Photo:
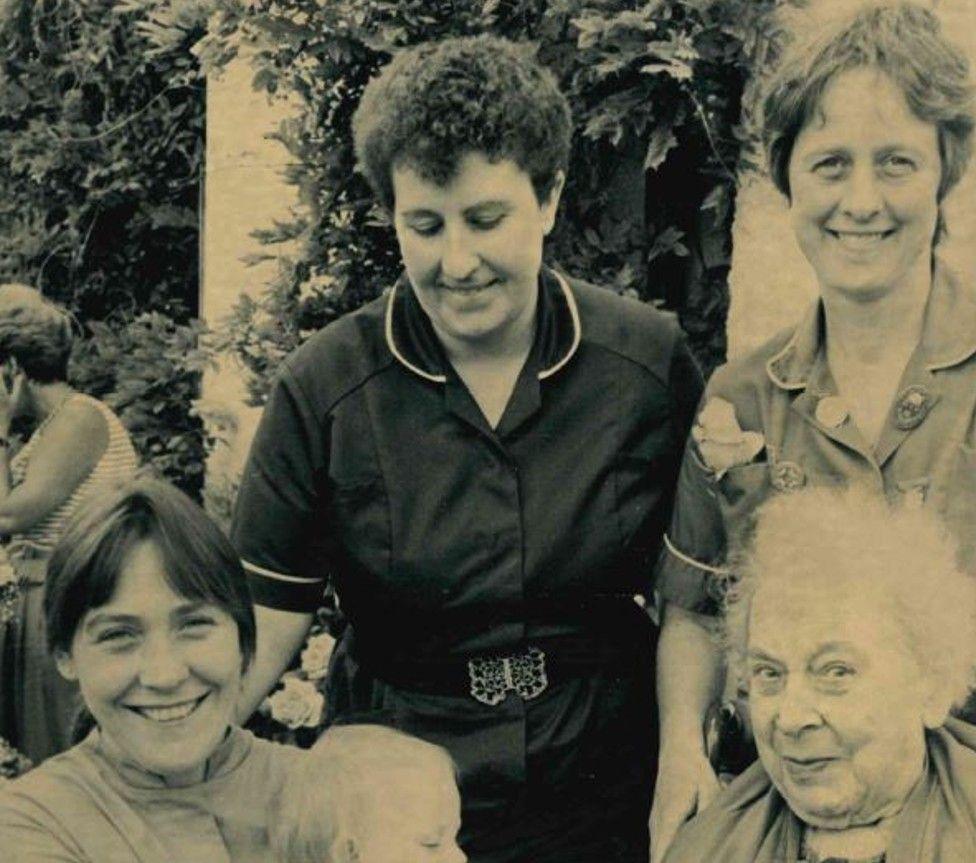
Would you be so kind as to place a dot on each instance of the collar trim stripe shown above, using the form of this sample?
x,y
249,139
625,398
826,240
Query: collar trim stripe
x,y
440,379
690,561
391,344
577,328
774,375
278,576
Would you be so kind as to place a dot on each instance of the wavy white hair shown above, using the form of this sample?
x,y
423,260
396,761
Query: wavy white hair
x,y
855,536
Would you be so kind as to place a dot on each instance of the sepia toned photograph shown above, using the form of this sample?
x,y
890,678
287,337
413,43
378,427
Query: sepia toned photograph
x,y
507,431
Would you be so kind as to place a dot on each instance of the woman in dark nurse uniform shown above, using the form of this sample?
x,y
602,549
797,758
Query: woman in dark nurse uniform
x,y
867,130
482,461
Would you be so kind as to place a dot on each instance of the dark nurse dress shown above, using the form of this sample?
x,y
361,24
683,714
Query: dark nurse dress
x,y
498,563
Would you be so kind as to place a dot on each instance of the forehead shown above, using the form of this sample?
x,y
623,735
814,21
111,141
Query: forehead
x,y
141,583
865,106
795,620
476,179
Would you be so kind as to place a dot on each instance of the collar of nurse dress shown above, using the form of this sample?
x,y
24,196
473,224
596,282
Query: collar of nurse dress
x,y
412,341
948,334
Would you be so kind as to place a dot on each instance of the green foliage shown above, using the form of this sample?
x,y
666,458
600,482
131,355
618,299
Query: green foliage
x,y
101,126
103,147
657,90
147,370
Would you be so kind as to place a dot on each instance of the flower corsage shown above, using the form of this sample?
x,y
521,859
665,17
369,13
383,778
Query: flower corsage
x,y
722,444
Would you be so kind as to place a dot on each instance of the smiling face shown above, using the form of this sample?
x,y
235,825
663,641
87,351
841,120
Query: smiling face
x,y
473,248
160,673
864,177
414,817
836,701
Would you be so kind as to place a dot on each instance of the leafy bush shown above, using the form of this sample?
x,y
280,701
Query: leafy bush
x,y
148,369
103,148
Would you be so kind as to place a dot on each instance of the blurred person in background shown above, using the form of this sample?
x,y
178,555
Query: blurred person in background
x,y
78,450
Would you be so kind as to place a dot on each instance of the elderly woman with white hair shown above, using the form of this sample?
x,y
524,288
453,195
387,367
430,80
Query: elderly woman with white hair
x,y
853,648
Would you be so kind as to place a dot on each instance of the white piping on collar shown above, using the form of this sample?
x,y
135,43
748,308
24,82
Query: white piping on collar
x,y
279,576
690,561
391,344
440,379
776,379
577,328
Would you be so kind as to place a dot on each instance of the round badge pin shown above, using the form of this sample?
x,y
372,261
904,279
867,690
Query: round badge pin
x,y
787,476
831,411
911,407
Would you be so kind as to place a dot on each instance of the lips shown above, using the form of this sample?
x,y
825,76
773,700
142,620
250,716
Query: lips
x,y
168,713
468,289
860,240
803,767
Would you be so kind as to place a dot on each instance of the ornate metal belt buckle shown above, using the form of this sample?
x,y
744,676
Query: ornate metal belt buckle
x,y
492,678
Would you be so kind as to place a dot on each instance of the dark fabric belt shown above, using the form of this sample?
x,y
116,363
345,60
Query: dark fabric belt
x,y
528,668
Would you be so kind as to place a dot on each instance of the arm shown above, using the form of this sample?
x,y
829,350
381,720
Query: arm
x,y
277,512
690,675
689,665
64,456
280,635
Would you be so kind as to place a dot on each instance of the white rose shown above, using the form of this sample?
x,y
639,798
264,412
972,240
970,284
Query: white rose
x,y
721,442
315,656
297,704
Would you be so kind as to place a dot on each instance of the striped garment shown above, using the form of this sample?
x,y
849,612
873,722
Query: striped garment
x,y
117,464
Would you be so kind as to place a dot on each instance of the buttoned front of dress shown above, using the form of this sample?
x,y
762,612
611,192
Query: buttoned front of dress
x,y
448,540
924,456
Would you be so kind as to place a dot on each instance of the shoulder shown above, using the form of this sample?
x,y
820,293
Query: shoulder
x,y
341,356
952,751
56,786
745,382
634,330
82,417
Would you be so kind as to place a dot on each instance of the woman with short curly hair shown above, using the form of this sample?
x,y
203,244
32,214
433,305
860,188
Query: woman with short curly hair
x,y
481,461
78,449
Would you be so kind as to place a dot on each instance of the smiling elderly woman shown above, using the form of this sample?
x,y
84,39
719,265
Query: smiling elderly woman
x,y
867,128
482,460
146,608
853,648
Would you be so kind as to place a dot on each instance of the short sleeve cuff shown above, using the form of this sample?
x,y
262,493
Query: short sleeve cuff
x,y
283,592
689,583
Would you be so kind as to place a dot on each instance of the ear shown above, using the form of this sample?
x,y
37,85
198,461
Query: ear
x,y
66,665
550,206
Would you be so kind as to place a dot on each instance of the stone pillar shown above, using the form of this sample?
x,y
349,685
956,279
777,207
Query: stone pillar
x,y
244,191
771,281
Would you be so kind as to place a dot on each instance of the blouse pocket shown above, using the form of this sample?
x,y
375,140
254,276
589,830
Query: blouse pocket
x,y
361,514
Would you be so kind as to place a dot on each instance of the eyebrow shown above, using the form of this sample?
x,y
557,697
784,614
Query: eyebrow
x,y
480,205
100,618
829,647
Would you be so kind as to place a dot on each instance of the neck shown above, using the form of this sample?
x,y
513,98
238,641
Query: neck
x,y
874,331
852,843
46,398
512,345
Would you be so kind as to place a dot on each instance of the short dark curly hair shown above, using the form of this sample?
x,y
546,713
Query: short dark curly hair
x,y
902,40
36,332
438,101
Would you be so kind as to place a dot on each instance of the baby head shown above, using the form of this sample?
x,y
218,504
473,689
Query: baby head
x,y
370,794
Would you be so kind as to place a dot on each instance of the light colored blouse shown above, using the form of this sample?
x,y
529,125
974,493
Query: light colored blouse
x,y
117,464
85,806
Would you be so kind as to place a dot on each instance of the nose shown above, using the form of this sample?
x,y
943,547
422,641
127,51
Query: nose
x,y
863,199
459,259
797,710
163,665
